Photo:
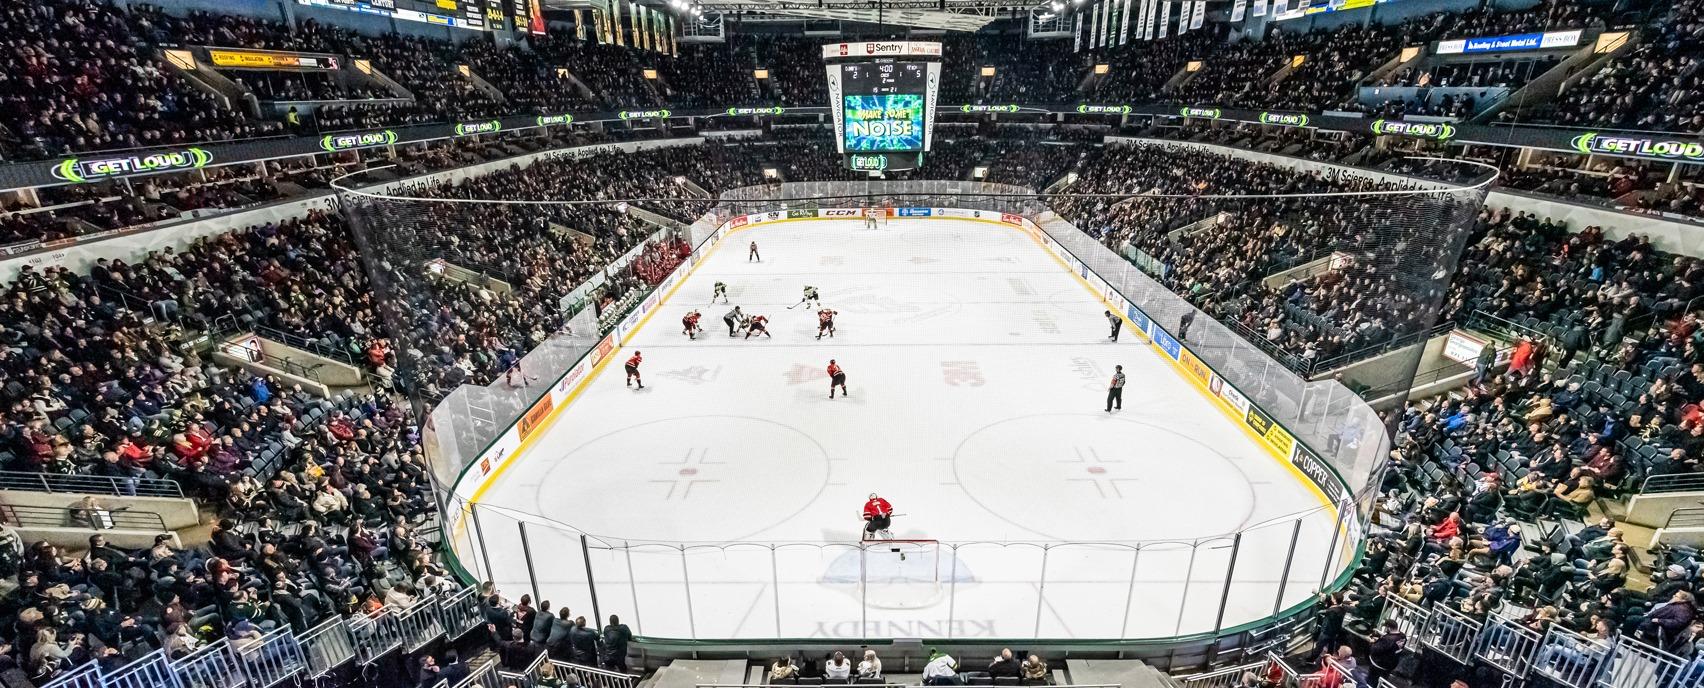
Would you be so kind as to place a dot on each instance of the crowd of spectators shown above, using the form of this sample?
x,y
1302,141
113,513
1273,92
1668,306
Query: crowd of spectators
x,y
81,77
1158,201
1654,86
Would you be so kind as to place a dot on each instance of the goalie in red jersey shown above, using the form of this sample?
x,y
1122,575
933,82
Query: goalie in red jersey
x,y
878,517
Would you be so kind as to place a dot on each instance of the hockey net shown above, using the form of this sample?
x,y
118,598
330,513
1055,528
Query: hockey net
x,y
875,218
902,573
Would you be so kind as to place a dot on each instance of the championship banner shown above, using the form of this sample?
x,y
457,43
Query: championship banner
x,y
1237,10
1077,36
1183,11
616,30
1259,8
1200,14
1124,27
1144,22
1152,20
1094,23
1165,17
1108,34
1105,12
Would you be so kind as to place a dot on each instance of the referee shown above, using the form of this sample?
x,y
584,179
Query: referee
x,y
1115,393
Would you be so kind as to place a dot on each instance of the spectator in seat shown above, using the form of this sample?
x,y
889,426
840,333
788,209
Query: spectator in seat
x,y
942,670
1005,665
837,669
1035,671
1666,624
782,670
871,666
227,544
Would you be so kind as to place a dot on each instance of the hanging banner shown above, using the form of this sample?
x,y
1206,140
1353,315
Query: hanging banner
x,y
1106,22
1124,26
1152,21
616,28
1165,17
1200,15
1183,12
1259,8
1237,10
1094,23
1077,35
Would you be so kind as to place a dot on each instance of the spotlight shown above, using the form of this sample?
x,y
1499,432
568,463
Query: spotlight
x,y
1058,6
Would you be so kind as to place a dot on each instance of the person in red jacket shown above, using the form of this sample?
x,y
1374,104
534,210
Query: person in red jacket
x,y
878,516
633,370
836,378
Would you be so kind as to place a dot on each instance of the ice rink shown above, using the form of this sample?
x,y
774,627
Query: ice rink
x,y
724,497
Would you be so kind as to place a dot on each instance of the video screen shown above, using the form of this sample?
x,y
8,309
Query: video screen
x,y
888,122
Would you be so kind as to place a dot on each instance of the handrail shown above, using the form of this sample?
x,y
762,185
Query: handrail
x,y
1672,482
79,483
1397,342
1690,517
1227,676
305,344
69,517
283,654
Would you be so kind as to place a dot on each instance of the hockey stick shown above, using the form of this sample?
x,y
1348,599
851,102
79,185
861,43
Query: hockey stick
x,y
796,305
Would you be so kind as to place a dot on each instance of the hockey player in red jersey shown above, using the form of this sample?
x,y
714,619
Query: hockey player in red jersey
x,y
878,516
759,324
633,370
825,323
689,325
836,378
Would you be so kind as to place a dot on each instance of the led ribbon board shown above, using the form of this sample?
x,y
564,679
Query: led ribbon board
x,y
79,170
1639,146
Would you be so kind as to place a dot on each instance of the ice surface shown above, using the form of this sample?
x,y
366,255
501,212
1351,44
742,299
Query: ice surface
x,y
724,497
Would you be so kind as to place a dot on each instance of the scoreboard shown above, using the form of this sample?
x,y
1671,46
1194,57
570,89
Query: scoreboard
x,y
883,102
521,16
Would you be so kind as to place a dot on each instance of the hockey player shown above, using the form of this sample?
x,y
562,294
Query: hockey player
x,y
810,297
633,370
721,290
878,517
836,378
733,319
689,325
825,323
758,324
752,255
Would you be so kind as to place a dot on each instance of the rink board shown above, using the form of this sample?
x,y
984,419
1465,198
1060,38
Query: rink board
x,y
1016,580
